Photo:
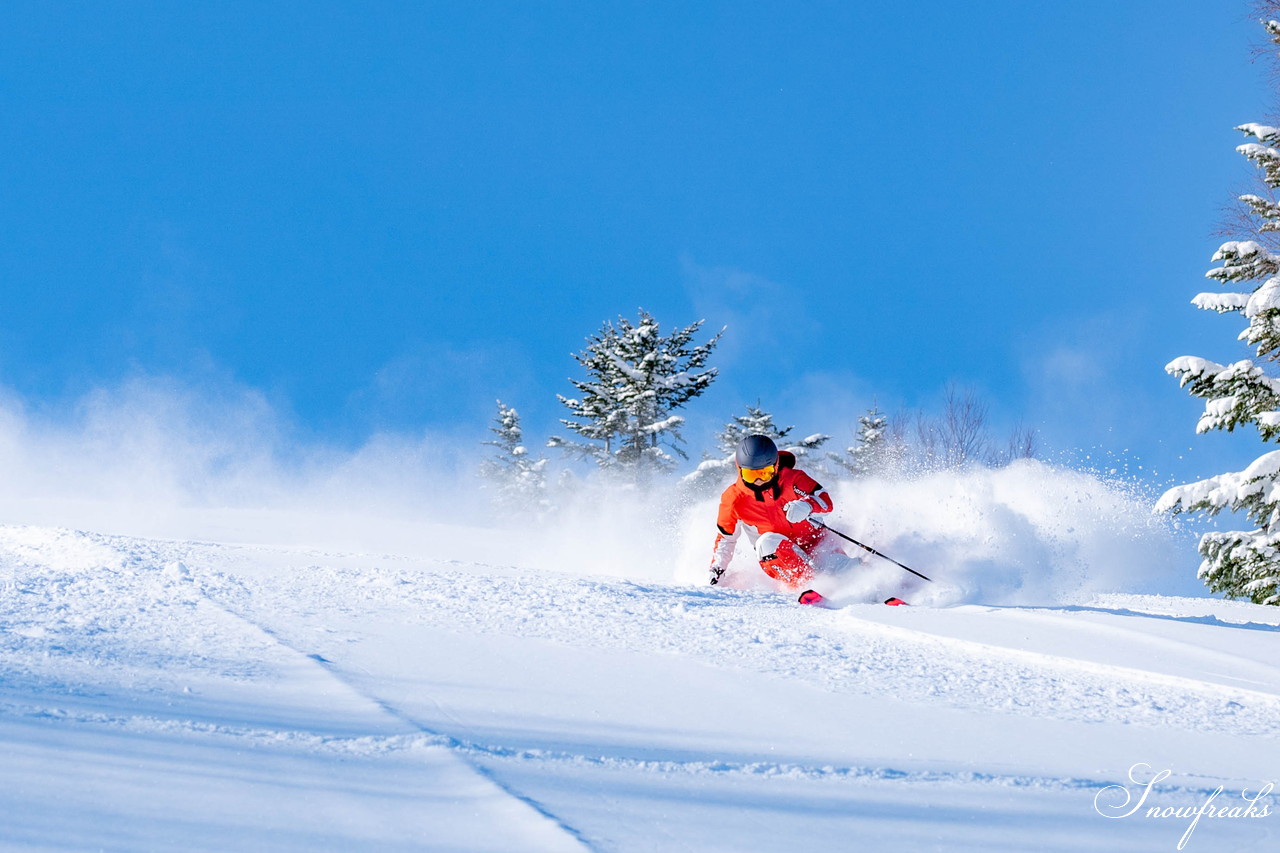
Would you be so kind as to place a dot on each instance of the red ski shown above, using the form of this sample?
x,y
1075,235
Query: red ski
x,y
816,599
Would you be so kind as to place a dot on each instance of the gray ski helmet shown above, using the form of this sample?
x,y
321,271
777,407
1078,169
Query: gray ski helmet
x,y
756,451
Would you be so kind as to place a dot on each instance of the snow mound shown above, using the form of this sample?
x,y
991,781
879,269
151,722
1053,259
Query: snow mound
x,y
1027,533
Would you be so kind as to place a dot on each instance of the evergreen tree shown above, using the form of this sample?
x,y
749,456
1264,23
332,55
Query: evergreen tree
x,y
804,447
715,470
1243,564
636,378
519,481
755,422
870,452
759,422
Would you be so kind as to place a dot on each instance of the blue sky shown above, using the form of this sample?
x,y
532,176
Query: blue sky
x,y
383,216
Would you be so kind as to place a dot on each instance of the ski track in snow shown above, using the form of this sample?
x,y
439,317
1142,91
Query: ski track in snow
x,y
372,745
91,620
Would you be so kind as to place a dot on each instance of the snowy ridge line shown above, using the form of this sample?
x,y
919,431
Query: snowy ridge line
x,y
365,745
1198,619
827,773
160,550
1178,682
262,736
163,548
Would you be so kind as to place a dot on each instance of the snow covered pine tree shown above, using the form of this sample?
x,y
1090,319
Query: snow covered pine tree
x,y
1242,564
519,481
636,378
759,422
871,452
714,471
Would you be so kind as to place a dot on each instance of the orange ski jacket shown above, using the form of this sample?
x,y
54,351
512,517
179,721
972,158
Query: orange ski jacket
x,y
756,511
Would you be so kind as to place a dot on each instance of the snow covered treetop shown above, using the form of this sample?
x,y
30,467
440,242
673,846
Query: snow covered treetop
x,y
1267,211
1234,394
635,377
1243,260
1237,490
1223,303
1266,157
1261,132
1265,298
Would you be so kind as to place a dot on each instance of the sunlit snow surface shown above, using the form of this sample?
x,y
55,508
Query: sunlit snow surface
x,y
579,687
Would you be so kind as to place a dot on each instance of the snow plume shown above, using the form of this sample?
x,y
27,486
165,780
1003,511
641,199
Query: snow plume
x,y
153,457
1026,533
157,458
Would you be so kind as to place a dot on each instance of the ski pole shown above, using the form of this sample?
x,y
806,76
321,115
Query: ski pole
x,y
819,523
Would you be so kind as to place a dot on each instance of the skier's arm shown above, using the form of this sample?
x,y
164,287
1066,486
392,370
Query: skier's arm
x,y
726,537
812,499
722,553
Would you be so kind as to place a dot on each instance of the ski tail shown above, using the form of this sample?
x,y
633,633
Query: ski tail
x,y
810,596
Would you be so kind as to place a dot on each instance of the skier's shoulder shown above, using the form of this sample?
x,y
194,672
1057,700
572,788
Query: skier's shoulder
x,y
797,477
789,470
731,494
728,514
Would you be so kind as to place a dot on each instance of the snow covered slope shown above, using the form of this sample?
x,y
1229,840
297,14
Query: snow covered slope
x,y
183,695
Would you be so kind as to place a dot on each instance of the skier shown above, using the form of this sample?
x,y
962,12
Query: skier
x,y
770,502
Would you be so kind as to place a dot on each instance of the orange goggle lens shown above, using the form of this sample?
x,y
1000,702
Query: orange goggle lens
x,y
752,474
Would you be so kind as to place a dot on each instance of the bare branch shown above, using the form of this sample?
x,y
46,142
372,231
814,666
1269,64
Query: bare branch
x,y
964,421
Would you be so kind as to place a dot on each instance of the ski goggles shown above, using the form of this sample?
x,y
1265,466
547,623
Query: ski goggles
x,y
766,473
